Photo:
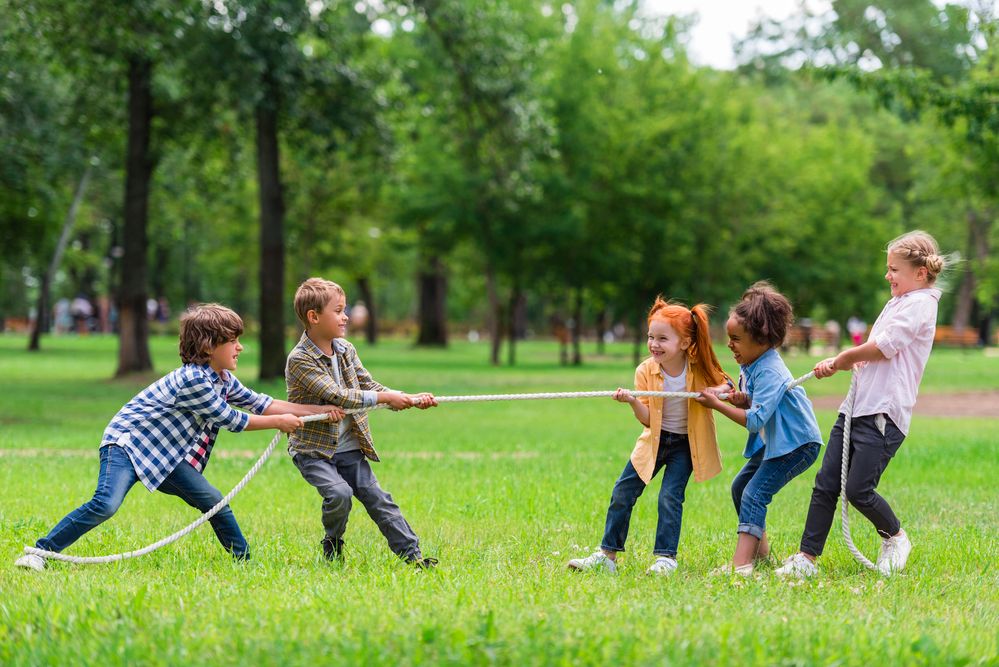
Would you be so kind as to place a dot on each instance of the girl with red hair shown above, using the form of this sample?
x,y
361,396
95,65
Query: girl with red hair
x,y
678,434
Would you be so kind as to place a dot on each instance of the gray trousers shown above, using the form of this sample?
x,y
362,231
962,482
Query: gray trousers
x,y
349,475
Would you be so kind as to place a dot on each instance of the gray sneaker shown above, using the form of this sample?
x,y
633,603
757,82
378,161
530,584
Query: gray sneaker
x,y
798,566
31,561
598,560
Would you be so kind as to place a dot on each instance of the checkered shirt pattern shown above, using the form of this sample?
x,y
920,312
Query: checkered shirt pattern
x,y
179,412
311,379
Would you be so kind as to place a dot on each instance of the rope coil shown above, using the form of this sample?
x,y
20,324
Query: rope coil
x,y
90,560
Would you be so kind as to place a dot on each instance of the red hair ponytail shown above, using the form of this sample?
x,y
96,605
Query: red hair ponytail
x,y
700,348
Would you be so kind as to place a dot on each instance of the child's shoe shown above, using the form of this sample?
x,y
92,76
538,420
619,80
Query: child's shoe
x,y
663,566
422,562
894,554
332,549
797,565
596,561
31,561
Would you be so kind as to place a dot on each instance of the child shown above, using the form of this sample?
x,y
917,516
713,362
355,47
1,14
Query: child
x,y
679,435
333,457
164,436
893,360
784,437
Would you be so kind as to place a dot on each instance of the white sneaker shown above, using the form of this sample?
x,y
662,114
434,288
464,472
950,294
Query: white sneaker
x,y
664,566
595,561
31,561
797,565
894,554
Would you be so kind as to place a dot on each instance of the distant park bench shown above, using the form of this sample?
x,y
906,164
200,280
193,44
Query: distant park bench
x,y
819,337
948,335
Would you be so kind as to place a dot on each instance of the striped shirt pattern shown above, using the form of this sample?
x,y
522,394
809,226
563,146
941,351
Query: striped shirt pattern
x,y
312,379
177,414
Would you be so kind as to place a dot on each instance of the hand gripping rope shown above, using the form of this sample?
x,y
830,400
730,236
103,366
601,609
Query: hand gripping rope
x,y
88,560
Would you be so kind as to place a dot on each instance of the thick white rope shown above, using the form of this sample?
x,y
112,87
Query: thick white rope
x,y
844,470
88,560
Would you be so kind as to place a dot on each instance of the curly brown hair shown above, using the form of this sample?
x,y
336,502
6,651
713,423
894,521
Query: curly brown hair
x,y
203,328
764,313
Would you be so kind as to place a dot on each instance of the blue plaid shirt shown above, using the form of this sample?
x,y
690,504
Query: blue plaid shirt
x,y
159,427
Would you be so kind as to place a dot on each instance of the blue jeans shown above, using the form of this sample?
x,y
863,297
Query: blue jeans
x,y
114,480
674,456
760,480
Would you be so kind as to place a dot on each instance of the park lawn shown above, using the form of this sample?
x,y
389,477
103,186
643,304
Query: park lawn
x,y
503,494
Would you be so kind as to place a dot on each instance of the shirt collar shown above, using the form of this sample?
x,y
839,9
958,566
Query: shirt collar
x,y
216,378
932,292
339,347
759,360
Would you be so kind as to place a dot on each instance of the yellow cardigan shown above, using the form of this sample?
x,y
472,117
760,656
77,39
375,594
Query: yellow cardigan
x,y
700,424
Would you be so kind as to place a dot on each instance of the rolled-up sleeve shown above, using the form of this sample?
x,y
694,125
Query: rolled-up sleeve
x,y
903,327
244,397
197,395
768,389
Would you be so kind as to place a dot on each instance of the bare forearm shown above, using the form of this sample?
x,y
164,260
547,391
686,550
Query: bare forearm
x,y
641,411
262,422
868,351
738,415
279,407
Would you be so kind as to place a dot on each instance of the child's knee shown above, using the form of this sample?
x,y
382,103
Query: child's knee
x,y
337,494
104,508
859,494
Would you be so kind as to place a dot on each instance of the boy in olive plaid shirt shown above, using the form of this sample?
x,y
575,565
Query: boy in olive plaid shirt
x,y
333,456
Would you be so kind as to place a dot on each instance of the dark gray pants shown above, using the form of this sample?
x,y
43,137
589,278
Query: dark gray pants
x,y
870,452
349,475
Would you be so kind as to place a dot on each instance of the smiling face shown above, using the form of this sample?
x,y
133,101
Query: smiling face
x,y
744,347
903,277
225,356
332,322
665,344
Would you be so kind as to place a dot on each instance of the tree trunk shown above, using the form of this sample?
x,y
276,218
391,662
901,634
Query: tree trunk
x,y
601,330
371,324
133,325
981,224
433,304
42,309
516,310
966,292
577,328
495,323
272,352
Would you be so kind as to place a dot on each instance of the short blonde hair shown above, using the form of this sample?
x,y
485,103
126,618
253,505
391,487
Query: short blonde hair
x,y
203,328
314,294
919,249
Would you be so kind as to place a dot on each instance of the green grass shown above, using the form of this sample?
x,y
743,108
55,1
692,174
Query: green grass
x,y
503,494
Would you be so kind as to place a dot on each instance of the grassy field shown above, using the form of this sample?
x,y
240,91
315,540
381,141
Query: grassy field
x,y
503,494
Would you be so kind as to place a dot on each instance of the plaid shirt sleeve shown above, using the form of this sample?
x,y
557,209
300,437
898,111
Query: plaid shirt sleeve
x,y
244,397
306,375
197,396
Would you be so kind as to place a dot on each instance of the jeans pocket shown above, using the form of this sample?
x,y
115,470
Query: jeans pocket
x,y
893,438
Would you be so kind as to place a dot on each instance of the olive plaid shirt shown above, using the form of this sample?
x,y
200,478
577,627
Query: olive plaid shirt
x,y
312,380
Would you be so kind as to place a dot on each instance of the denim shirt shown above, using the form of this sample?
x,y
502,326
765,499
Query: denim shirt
x,y
778,421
